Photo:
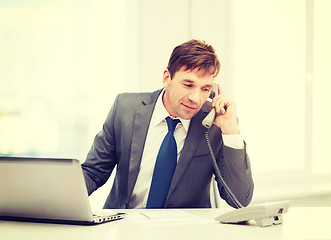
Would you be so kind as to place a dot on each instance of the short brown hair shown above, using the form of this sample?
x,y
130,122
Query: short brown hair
x,y
194,54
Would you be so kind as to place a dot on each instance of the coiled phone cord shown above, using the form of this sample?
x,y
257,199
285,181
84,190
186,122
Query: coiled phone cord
x,y
218,175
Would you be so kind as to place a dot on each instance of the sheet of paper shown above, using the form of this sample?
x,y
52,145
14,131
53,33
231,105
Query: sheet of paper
x,y
167,217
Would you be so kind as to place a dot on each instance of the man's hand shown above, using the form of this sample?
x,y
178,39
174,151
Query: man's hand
x,y
226,114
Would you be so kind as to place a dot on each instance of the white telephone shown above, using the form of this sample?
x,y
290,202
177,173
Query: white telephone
x,y
266,214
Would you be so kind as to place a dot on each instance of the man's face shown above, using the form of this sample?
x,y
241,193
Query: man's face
x,y
186,92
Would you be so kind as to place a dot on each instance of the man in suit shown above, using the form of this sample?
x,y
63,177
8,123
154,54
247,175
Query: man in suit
x,y
136,125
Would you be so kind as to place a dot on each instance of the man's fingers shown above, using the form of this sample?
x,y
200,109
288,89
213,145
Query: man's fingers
x,y
220,104
220,91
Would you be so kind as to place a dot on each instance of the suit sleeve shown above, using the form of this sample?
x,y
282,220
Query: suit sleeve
x,y
101,159
236,172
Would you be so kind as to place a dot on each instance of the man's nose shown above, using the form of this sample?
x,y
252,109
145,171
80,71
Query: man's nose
x,y
194,95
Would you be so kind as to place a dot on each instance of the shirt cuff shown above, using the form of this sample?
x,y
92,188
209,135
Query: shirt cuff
x,y
233,141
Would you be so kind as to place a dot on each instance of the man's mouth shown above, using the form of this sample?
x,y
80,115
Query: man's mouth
x,y
191,108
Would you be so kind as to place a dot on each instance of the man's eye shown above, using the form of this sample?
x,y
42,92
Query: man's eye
x,y
188,85
206,89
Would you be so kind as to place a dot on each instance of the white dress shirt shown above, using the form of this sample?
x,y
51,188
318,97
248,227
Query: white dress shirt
x,y
157,130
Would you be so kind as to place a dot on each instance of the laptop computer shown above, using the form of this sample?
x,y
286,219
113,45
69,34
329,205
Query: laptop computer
x,y
46,190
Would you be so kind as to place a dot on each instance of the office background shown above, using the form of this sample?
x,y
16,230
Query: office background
x,y
63,62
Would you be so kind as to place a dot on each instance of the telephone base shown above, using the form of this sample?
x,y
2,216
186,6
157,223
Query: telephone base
x,y
266,214
269,221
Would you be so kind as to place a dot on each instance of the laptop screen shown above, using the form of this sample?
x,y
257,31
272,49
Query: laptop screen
x,y
43,188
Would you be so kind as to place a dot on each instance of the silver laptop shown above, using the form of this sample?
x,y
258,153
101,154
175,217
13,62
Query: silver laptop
x,y
46,190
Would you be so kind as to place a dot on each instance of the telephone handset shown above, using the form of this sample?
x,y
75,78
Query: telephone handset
x,y
209,119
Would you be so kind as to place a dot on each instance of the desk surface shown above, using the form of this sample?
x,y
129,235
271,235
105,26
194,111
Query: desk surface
x,y
299,223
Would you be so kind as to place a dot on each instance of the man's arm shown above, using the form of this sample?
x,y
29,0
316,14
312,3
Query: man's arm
x,y
236,172
234,162
101,158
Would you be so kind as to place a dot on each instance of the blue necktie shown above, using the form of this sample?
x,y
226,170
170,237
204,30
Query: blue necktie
x,y
164,169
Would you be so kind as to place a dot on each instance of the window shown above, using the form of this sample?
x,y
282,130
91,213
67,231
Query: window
x,y
269,72
281,84
61,66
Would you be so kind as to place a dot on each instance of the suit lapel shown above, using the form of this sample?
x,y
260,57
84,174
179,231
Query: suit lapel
x,y
141,123
196,130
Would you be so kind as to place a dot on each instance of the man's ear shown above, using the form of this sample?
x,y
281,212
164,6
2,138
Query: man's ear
x,y
166,78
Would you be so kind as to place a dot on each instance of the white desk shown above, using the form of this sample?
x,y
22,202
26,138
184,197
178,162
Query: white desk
x,y
299,223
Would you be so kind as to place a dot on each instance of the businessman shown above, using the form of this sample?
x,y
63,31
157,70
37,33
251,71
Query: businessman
x,y
156,140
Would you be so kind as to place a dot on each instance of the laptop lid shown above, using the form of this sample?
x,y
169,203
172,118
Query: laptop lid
x,y
43,188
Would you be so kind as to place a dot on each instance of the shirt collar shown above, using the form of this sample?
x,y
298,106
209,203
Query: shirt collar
x,y
160,113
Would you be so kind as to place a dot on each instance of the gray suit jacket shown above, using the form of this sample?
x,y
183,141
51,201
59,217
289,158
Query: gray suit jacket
x,y
121,143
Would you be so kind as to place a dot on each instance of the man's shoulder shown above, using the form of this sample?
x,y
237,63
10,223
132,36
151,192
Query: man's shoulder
x,y
135,94
138,97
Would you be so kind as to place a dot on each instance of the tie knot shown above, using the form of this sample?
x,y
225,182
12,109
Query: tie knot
x,y
172,123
